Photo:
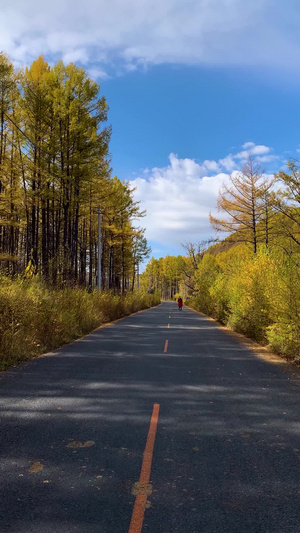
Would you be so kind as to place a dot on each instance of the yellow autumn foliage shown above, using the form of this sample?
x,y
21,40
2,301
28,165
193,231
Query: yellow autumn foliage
x,y
36,319
255,294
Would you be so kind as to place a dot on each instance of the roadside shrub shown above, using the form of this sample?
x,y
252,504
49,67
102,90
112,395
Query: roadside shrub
x,y
205,277
220,295
251,289
284,339
35,319
284,334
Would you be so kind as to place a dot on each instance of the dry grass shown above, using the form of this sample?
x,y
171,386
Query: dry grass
x,y
35,319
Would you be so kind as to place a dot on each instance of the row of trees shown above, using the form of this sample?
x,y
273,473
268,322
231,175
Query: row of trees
x,y
55,174
164,275
251,279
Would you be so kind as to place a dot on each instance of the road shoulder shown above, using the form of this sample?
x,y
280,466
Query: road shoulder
x,y
262,352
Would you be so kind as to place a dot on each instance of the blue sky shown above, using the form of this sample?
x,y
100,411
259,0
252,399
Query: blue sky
x,y
198,113
193,87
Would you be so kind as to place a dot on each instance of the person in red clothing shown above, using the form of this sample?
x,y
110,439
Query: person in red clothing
x,y
180,303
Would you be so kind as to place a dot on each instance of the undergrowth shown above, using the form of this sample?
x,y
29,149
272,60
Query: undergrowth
x,y
35,319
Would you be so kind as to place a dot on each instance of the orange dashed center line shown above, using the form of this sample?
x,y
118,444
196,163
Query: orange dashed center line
x,y
137,518
166,346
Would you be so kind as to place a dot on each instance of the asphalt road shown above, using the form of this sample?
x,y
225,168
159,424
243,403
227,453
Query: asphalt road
x,y
74,426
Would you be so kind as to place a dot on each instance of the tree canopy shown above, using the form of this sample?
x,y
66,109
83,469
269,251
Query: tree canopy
x,y
54,175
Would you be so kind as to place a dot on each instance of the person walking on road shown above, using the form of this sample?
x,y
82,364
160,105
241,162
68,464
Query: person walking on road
x,y
180,303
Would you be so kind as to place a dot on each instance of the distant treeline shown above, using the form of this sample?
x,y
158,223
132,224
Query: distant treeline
x,y
250,280
55,174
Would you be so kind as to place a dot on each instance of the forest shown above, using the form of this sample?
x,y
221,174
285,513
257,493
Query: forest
x,y
55,185
55,182
55,175
248,275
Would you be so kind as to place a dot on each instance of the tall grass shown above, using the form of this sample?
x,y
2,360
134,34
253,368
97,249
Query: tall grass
x,y
35,319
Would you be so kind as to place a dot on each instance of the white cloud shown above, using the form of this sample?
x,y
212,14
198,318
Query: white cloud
x,y
79,54
98,73
211,165
248,145
252,150
136,33
228,163
267,158
179,197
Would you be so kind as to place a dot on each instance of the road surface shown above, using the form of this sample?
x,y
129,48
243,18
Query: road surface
x,y
164,394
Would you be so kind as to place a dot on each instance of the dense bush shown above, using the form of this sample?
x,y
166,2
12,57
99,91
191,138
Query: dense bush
x,y
255,294
35,319
205,277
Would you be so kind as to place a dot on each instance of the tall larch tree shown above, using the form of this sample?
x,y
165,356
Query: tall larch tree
x,y
243,204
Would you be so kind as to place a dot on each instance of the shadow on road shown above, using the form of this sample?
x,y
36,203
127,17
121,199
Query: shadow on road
x,y
227,449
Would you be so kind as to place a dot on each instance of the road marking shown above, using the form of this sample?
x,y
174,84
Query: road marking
x,y
166,346
143,487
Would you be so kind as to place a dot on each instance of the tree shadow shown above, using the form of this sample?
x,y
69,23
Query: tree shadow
x,y
74,426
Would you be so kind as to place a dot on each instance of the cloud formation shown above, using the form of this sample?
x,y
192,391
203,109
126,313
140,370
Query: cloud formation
x,y
124,36
179,197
